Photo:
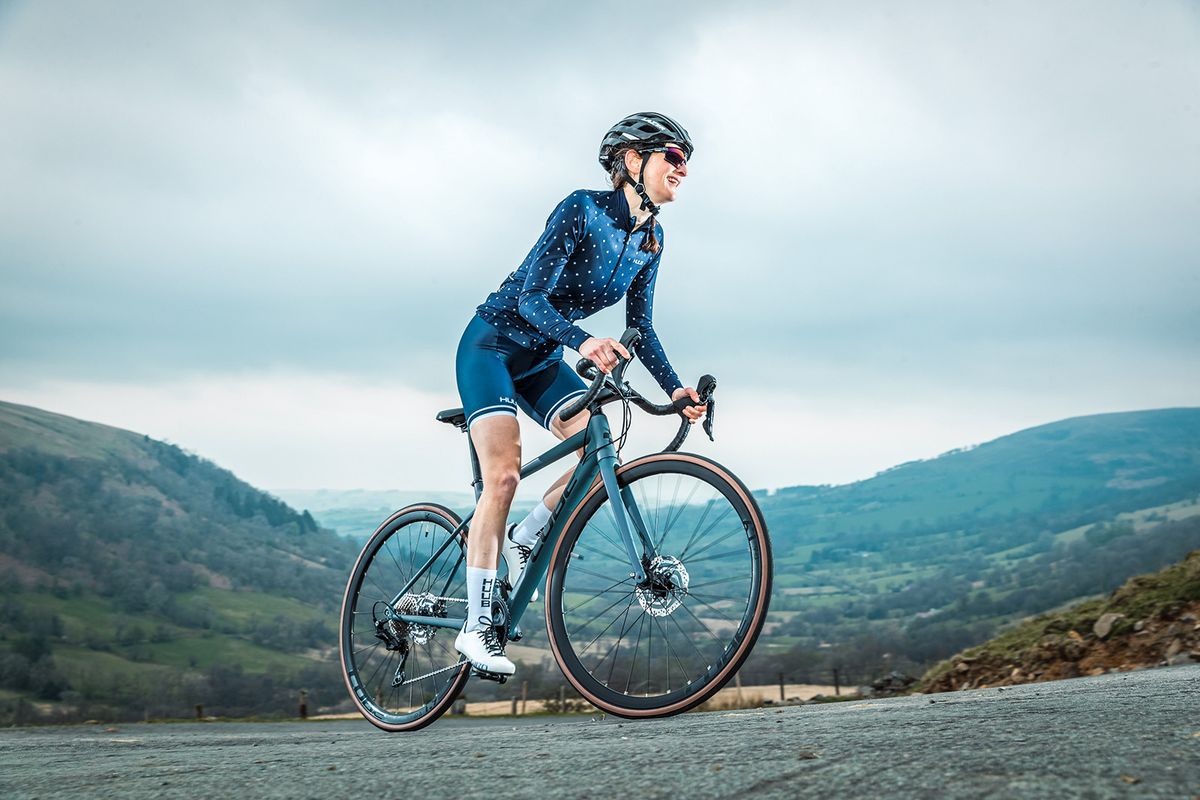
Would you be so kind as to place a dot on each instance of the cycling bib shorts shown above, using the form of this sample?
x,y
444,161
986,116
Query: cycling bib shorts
x,y
497,376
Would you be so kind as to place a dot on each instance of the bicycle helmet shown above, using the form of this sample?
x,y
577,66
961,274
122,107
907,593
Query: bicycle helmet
x,y
641,131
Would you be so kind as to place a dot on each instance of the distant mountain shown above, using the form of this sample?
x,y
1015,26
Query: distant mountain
x,y
356,513
136,575
933,556
1063,473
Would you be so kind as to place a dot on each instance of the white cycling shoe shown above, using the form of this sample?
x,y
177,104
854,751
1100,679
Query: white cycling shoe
x,y
482,648
516,556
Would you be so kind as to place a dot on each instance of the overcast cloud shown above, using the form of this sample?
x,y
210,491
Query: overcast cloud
x,y
258,230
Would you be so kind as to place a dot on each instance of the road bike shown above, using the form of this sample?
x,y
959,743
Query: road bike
x,y
657,577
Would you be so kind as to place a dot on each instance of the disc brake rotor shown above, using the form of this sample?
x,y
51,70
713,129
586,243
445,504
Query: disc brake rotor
x,y
665,587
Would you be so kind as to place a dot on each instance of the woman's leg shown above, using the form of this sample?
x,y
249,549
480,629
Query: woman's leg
x,y
564,431
497,441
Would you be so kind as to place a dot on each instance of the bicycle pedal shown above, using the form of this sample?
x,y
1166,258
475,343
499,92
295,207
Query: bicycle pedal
x,y
515,634
488,676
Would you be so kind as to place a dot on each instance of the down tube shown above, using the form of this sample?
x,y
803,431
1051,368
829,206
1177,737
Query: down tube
x,y
539,559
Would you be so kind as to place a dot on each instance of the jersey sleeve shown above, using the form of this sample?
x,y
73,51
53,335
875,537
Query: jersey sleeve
x,y
564,231
639,313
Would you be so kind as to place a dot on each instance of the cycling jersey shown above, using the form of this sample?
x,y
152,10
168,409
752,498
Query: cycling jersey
x,y
587,259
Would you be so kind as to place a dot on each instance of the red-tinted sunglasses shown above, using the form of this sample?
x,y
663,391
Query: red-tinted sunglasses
x,y
672,155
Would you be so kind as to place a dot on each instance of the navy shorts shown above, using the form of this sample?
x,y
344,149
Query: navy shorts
x,y
496,376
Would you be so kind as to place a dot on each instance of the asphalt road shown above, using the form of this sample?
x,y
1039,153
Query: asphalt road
x,y
1123,735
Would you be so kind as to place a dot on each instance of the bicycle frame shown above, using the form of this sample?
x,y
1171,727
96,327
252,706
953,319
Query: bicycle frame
x,y
600,458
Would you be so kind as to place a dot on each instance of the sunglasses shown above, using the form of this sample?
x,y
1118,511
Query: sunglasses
x,y
672,155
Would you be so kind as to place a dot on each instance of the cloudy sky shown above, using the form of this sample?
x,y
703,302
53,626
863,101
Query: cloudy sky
x,y
257,230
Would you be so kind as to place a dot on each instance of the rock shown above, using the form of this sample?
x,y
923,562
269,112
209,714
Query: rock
x,y
1073,651
1104,625
1016,674
1097,671
1174,648
961,667
1075,636
1179,659
1140,625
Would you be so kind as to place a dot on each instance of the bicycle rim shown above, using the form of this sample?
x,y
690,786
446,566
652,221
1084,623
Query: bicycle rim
x,y
670,643
409,676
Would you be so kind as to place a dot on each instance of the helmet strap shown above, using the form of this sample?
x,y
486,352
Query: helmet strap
x,y
640,188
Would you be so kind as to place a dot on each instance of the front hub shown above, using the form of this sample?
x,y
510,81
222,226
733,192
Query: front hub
x,y
666,584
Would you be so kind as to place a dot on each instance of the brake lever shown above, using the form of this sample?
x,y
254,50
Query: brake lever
x,y
705,390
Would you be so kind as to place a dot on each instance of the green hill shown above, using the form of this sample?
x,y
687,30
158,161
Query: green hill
x,y
138,578
932,556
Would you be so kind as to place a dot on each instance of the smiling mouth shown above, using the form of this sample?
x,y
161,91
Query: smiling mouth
x,y
671,181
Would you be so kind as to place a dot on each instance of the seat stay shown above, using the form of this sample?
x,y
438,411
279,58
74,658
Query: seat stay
x,y
433,559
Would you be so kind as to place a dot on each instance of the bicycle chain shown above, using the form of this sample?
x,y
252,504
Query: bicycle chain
x,y
431,674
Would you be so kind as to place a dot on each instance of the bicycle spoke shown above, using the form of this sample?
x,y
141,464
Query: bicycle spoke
x,y
696,537
693,561
597,594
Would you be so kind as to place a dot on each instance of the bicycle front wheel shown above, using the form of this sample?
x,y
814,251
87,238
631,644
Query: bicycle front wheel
x,y
666,644
403,676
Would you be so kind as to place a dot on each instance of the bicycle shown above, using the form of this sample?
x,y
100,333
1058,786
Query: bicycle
x,y
648,615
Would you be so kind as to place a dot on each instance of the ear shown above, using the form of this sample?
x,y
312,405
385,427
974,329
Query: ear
x,y
633,162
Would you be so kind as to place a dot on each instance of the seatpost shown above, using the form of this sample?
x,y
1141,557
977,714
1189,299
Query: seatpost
x,y
477,478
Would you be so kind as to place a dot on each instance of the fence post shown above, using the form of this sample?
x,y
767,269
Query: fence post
x,y
781,697
524,695
837,689
514,706
199,711
562,699
303,704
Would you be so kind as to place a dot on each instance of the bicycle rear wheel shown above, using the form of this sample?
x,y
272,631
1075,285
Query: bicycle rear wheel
x,y
403,676
667,644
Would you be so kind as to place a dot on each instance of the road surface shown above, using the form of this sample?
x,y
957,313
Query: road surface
x,y
1121,735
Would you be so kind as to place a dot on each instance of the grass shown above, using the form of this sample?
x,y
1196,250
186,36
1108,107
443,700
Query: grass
x,y
1141,597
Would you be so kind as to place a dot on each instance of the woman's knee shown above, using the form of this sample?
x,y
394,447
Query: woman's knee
x,y
502,484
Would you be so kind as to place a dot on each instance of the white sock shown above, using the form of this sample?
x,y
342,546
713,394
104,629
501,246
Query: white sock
x,y
527,531
479,597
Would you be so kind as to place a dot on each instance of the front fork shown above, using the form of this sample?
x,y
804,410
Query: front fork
x,y
624,509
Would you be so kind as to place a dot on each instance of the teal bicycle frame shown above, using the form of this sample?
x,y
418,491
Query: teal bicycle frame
x,y
600,456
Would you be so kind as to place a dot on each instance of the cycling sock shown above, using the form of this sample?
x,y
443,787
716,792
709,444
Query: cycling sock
x,y
527,530
479,597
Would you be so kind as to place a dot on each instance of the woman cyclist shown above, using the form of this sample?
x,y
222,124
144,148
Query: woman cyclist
x,y
598,246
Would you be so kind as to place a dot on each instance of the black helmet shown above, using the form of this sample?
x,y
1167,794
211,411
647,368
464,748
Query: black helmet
x,y
641,129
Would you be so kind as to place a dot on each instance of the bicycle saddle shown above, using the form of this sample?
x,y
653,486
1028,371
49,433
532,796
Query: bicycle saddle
x,y
453,416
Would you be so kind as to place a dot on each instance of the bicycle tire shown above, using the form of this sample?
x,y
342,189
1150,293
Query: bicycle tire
x,y
370,667
705,655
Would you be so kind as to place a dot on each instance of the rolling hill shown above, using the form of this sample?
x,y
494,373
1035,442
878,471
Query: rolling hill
x,y
138,579
138,576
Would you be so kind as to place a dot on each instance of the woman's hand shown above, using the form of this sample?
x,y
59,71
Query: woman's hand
x,y
603,353
693,413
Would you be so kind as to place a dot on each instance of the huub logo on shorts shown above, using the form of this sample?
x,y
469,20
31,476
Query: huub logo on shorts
x,y
510,400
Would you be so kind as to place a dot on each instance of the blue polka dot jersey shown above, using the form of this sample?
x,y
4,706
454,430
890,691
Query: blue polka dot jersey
x,y
587,259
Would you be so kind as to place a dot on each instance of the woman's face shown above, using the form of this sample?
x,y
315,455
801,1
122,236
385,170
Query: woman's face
x,y
662,179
